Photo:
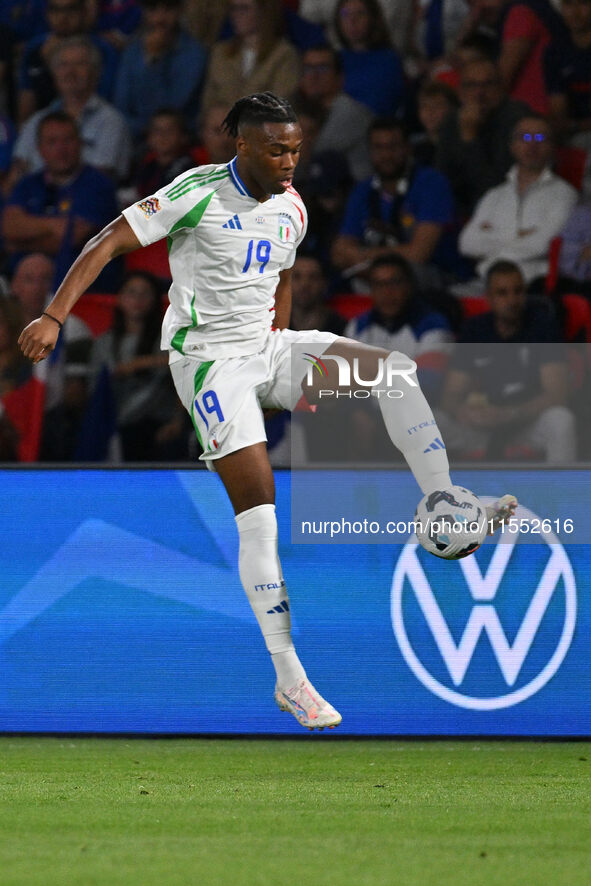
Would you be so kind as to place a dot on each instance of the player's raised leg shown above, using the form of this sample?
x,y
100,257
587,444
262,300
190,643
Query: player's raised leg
x,y
249,481
408,418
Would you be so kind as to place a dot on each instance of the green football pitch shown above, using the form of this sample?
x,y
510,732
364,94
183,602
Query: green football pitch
x,y
166,812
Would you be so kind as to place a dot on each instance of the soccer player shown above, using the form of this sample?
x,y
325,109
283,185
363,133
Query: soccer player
x,y
232,232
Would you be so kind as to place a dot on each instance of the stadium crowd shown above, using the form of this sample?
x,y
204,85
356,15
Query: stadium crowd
x,y
446,174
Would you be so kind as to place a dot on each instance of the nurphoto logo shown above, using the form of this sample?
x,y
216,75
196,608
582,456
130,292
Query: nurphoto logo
x,y
350,382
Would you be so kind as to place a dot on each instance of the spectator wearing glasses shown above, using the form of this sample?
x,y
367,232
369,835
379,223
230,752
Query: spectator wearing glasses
x,y
474,148
66,18
346,121
518,219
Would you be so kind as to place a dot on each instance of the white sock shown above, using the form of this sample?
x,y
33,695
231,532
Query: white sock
x,y
262,579
412,428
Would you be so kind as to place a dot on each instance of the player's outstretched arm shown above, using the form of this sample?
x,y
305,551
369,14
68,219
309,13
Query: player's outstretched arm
x,y
38,339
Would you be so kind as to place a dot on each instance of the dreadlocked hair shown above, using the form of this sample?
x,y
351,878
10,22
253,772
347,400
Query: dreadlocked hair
x,y
256,109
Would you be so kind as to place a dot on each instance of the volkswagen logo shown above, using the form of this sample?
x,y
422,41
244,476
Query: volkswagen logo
x,y
486,635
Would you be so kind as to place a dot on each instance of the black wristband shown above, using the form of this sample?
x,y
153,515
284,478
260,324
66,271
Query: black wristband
x,y
51,317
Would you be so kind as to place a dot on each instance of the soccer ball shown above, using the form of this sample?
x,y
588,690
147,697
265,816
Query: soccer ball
x,y
451,523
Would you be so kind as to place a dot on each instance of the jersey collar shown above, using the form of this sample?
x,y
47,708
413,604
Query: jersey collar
x,y
238,183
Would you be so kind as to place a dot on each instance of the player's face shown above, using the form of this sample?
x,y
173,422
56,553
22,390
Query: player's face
x,y
506,294
268,156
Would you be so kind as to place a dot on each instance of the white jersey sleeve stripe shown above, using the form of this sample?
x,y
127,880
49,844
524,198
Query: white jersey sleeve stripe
x,y
196,180
198,184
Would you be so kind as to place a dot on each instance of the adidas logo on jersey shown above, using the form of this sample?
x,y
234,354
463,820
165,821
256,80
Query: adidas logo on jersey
x,y
233,223
283,607
435,445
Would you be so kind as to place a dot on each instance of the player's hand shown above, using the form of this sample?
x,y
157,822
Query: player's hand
x,y
37,340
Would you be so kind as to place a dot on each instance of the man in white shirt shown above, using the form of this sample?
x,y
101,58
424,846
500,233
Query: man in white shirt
x,y
518,219
232,232
106,141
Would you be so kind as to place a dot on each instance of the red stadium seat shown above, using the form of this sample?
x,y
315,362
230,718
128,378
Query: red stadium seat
x,y
553,259
350,304
571,164
152,258
474,305
96,310
577,320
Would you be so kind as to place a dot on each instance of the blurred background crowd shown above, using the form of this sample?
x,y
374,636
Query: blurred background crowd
x,y
446,173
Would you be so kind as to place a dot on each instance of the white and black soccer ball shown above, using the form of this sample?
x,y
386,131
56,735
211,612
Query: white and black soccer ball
x,y
451,523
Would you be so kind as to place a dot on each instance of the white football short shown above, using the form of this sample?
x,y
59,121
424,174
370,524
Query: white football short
x,y
225,398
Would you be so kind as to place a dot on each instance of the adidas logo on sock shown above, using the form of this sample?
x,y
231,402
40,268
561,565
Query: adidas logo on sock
x,y
283,607
233,223
435,445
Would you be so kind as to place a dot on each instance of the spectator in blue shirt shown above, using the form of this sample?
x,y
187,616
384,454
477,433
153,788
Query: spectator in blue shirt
x,y
56,210
405,209
163,67
372,68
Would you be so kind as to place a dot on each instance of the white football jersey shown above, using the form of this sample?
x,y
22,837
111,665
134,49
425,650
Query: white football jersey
x,y
226,251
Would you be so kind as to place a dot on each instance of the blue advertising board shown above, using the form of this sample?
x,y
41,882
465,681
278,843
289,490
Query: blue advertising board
x,y
121,610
